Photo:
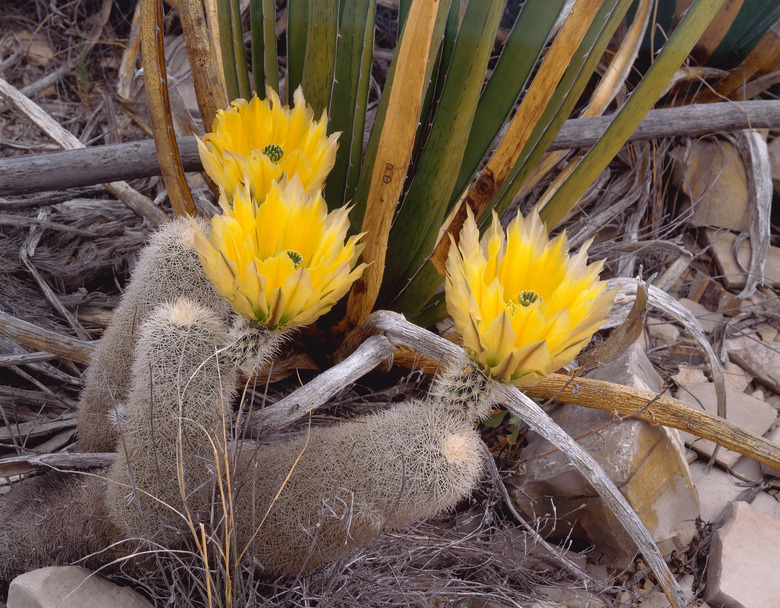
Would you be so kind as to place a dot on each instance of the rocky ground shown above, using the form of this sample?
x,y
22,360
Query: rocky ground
x,y
65,256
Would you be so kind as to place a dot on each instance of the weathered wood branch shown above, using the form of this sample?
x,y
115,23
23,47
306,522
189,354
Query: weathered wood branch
x,y
44,340
21,465
136,201
133,160
35,428
300,402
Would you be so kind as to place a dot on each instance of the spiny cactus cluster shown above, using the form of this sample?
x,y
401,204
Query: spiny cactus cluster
x,y
170,356
351,481
168,268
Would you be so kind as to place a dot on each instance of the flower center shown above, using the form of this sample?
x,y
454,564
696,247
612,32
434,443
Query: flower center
x,y
273,152
296,257
528,297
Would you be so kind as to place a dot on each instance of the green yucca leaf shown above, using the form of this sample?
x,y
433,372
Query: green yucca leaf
x,y
682,40
242,71
390,149
228,50
426,279
320,55
573,83
403,12
349,98
433,91
297,26
521,50
754,19
369,158
264,61
423,209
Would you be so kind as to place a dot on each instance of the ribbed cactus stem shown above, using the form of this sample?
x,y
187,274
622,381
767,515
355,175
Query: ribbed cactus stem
x,y
180,395
167,269
462,387
349,482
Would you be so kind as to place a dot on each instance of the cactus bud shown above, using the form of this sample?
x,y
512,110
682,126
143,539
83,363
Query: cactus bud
x,y
463,388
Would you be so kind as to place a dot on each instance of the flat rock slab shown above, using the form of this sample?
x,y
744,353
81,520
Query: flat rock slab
x,y
743,410
70,587
710,321
713,175
744,557
716,489
732,273
759,359
645,462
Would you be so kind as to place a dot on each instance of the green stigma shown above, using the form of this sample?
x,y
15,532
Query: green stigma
x,y
273,152
528,297
295,257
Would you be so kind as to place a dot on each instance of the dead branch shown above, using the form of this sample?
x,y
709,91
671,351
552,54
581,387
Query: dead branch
x,y
132,160
45,340
21,465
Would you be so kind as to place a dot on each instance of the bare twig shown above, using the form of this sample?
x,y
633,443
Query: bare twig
x,y
38,338
21,465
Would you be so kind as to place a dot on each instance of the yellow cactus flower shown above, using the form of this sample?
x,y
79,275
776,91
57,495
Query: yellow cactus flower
x,y
267,141
283,262
523,306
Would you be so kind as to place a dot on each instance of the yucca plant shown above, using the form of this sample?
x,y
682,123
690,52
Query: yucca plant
x,y
463,121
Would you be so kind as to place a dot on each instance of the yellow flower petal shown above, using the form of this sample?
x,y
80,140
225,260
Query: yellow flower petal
x,y
241,134
523,307
284,261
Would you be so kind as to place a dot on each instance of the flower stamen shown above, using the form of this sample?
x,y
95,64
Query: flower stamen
x,y
528,297
273,152
295,257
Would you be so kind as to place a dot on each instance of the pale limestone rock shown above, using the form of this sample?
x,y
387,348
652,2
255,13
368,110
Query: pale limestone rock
x,y
571,598
646,462
732,273
742,566
716,489
748,468
741,409
774,401
680,541
714,178
658,599
735,377
767,504
632,368
70,587
710,321
762,361
662,332
689,375
774,437
767,332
